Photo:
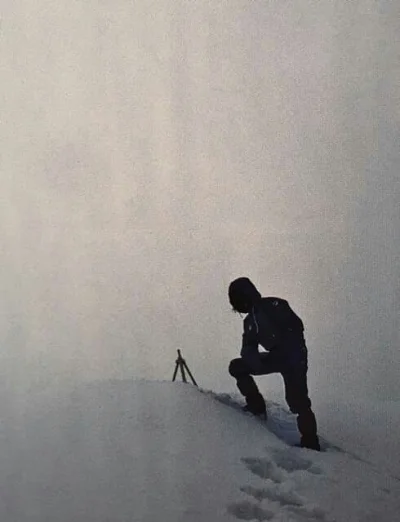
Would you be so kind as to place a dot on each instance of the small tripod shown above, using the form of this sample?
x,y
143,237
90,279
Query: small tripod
x,y
181,364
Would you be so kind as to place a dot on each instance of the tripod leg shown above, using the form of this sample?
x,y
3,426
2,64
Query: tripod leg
x,y
190,375
183,372
175,372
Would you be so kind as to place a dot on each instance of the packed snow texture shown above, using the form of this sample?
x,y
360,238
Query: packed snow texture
x,y
142,451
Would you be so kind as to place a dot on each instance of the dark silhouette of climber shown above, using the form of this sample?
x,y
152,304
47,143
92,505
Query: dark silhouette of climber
x,y
271,323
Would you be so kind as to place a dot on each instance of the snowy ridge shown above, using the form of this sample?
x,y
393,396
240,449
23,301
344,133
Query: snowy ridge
x,y
143,451
281,422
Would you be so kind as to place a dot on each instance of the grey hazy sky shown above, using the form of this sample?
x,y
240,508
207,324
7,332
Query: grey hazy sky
x,y
151,151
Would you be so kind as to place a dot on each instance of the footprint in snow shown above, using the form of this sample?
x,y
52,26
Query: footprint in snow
x,y
276,470
290,462
264,469
286,498
289,501
309,513
249,511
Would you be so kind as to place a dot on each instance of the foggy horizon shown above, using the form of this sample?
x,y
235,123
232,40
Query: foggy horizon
x,y
153,152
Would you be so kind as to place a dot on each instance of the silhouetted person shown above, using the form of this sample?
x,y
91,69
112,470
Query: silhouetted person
x,y
271,323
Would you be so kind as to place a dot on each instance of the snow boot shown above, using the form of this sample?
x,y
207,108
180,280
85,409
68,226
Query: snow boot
x,y
255,404
307,426
310,443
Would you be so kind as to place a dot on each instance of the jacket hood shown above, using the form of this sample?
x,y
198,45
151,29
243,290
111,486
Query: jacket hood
x,y
243,294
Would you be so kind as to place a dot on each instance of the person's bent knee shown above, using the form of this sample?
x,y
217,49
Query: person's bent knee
x,y
237,368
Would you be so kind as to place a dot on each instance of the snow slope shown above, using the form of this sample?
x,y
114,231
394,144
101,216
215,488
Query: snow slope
x,y
142,451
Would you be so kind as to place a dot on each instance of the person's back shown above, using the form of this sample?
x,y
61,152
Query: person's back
x,y
281,314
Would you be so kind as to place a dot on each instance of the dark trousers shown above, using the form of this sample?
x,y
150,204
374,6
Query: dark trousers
x,y
296,390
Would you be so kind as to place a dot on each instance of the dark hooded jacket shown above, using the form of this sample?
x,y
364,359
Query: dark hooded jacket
x,y
270,322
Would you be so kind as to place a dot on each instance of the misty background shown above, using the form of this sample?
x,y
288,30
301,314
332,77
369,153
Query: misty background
x,y
152,151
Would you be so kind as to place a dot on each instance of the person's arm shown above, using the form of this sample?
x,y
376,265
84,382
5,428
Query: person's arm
x,y
249,352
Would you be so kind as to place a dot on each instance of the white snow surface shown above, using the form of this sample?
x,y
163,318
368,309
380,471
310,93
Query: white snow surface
x,y
140,451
